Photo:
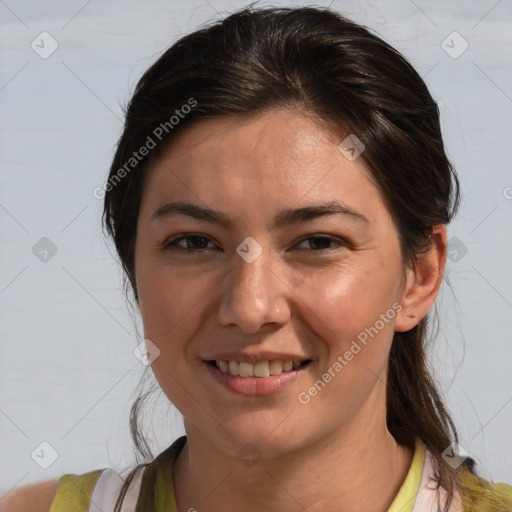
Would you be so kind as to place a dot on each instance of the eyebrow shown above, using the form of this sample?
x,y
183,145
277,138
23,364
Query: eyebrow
x,y
283,218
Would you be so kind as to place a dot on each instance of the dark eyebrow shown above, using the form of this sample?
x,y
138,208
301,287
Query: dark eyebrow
x,y
283,218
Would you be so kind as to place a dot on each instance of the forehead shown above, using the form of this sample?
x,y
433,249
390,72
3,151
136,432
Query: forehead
x,y
275,136
279,157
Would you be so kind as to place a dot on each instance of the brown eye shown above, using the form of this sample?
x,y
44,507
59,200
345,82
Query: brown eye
x,y
321,244
192,243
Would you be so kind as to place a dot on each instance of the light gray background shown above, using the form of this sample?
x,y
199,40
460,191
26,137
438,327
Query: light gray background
x,y
67,370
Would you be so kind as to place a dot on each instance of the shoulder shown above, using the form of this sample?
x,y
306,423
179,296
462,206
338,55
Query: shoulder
x,y
70,492
36,497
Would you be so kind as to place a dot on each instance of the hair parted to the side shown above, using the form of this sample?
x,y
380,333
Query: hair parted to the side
x,y
320,63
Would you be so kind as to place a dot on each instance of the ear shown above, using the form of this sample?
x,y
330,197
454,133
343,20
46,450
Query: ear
x,y
423,282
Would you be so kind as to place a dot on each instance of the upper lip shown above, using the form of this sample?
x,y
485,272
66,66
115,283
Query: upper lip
x,y
246,357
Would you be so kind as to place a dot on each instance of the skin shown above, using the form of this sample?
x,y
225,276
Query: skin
x,y
35,497
334,453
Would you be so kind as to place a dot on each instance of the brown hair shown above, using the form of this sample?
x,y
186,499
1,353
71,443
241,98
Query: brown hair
x,y
316,60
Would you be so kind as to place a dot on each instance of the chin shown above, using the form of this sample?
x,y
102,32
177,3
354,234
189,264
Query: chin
x,y
267,437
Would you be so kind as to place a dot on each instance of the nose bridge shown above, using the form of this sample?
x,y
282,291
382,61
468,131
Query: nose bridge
x,y
253,294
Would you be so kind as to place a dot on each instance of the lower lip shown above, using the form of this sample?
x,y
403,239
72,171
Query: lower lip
x,y
255,386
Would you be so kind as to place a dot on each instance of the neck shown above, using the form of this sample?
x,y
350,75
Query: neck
x,y
361,468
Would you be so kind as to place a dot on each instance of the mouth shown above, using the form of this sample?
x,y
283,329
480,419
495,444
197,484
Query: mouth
x,y
261,369
262,378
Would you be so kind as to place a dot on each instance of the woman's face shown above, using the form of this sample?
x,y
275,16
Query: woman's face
x,y
267,279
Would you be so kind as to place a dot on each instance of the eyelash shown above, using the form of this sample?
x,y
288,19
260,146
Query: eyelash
x,y
172,244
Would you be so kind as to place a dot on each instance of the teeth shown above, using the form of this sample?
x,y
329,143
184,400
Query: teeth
x,y
276,367
261,369
245,369
288,366
233,367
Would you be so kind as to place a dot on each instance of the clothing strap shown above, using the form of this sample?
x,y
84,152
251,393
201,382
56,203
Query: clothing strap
x,y
107,491
157,490
430,498
404,500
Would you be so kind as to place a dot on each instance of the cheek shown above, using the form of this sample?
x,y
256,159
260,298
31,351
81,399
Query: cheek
x,y
341,304
344,311
169,304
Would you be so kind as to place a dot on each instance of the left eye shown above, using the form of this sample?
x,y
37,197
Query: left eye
x,y
322,241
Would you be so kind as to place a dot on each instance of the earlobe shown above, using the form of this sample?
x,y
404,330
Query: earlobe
x,y
423,282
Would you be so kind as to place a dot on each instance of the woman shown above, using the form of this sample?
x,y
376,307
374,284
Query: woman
x,y
279,199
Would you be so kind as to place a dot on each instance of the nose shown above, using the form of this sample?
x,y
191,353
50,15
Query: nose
x,y
254,294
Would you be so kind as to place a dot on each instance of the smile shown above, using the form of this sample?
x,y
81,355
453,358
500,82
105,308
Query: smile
x,y
251,385
262,369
